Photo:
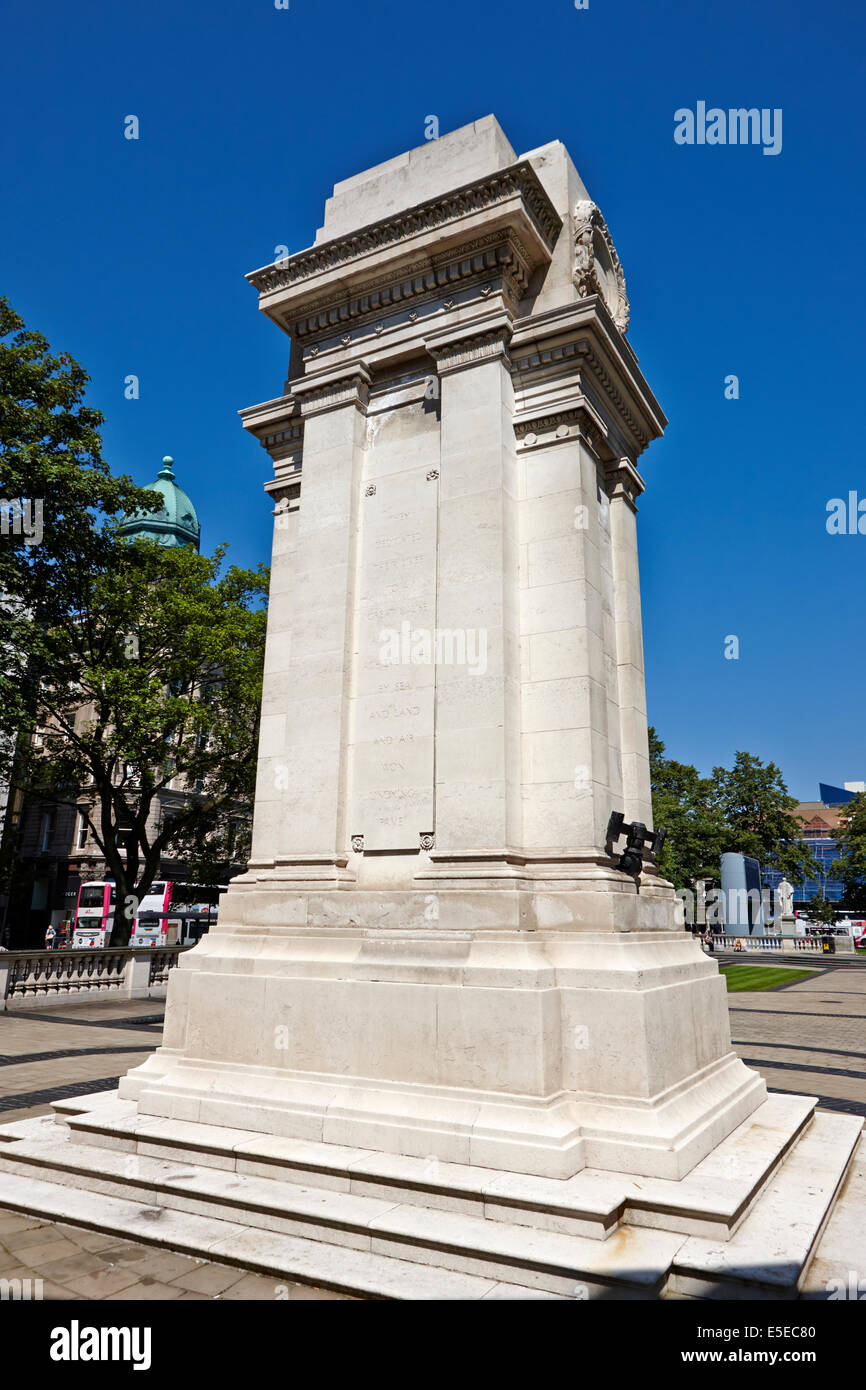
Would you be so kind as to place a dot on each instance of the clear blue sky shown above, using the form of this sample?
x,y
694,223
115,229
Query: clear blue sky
x,y
131,255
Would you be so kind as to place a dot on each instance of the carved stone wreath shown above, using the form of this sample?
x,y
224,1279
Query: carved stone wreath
x,y
597,268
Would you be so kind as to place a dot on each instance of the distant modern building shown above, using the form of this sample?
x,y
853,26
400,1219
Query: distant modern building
x,y
741,895
820,822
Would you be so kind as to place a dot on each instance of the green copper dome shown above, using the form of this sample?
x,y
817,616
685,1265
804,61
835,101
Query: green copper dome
x,y
175,524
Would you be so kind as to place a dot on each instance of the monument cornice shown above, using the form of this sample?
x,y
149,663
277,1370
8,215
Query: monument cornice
x,y
513,200
520,179
499,254
279,428
539,429
484,339
624,481
333,390
583,338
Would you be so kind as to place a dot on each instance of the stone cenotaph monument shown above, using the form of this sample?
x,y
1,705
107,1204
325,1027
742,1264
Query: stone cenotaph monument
x,y
453,707
434,991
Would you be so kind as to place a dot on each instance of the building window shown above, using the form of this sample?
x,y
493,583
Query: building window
x,y
46,830
81,832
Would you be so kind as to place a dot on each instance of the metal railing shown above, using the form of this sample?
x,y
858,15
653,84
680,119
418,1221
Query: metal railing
x,y
119,971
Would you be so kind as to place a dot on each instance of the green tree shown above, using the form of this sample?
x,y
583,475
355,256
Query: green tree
x,y
820,911
757,811
149,702
683,803
52,476
850,863
140,665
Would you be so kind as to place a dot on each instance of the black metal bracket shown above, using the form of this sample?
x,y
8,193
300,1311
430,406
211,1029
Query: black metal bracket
x,y
638,839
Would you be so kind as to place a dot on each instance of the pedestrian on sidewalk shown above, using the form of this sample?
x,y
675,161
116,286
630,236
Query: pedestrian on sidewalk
x,y
50,937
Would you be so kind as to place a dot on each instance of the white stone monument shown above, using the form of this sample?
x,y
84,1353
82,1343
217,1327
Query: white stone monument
x,y
454,705
437,1029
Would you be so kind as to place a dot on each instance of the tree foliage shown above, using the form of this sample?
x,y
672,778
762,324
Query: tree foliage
x,y
151,686
50,458
683,803
850,863
820,911
756,808
743,810
139,665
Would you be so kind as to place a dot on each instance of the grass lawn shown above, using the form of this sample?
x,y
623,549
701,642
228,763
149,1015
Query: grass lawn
x,y
740,977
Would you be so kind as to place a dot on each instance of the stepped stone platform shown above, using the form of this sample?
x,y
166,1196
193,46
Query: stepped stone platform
x,y
747,1222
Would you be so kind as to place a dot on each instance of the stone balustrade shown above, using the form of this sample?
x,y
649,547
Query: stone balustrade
x,y
782,945
121,972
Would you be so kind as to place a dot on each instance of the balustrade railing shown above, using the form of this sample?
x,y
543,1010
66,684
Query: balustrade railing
x,y
119,971
161,961
784,945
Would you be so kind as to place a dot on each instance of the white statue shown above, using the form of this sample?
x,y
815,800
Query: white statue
x,y
785,898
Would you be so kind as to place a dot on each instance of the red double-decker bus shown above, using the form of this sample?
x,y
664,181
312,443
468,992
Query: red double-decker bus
x,y
94,913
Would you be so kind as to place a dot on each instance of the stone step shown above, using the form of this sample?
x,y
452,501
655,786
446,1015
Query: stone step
x,y
766,1257
637,1261
711,1201
356,1272
770,1254
836,1269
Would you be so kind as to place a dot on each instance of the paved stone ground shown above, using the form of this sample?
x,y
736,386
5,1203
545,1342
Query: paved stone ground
x,y
808,1038
77,1264
54,1053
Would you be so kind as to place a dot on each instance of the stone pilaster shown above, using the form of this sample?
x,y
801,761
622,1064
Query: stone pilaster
x,y
625,486
279,426
314,694
569,759
477,692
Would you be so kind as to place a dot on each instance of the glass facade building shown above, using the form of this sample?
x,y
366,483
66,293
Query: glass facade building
x,y
821,821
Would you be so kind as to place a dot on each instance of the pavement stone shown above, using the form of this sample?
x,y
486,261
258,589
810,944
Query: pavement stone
x,y
809,1037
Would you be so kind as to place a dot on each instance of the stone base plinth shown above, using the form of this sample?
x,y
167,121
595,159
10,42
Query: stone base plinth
x,y
539,1049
